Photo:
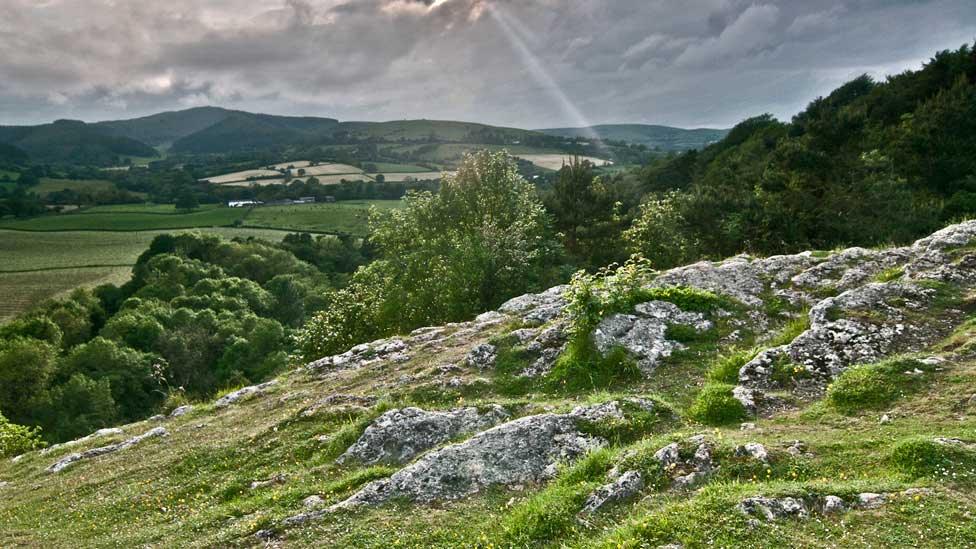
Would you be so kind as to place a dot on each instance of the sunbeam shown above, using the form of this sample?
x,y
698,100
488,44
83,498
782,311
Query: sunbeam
x,y
510,28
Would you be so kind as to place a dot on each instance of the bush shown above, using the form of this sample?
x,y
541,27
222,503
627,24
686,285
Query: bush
x,y
687,298
18,439
873,386
715,405
582,368
918,457
726,368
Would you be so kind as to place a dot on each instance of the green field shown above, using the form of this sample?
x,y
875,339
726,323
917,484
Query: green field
x,y
389,167
127,220
49,185
40,265
13,176
345,217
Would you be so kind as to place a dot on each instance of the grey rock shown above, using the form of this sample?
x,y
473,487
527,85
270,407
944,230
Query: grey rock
x,y
399,435
4,484
703,458
773,508
870,500
752,450
71,459
643,334
833,505
746,396
246,393
624,487
273,481
181,411
518,452
340,402
101,433
748,426
537,308
313,501
668,455
689,481
482,356
365,354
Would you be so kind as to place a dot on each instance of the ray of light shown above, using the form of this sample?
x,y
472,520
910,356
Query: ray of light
x,y
518,38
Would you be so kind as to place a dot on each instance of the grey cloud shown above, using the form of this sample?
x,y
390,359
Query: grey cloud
x,y
708,62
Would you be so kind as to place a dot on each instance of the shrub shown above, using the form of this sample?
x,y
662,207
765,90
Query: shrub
x,y
873,386
791,330
17,439
687,298
917,457
715,405
889,274
726,368
591,298
582,367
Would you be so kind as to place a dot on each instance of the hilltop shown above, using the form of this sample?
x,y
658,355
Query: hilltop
x,y
812,399
666,138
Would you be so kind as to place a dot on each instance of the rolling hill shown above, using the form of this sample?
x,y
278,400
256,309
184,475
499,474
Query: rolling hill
x,y
666,137
72,142
214,130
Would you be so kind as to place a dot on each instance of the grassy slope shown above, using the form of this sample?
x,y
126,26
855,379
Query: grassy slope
x,y
348,217
191,489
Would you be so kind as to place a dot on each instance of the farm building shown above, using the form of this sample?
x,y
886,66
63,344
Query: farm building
x,y
243,203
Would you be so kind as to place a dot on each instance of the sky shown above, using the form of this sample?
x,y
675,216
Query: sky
x,y
522,63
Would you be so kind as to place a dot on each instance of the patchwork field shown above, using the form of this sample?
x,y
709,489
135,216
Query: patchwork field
x,y
350,217
419,176
240,176
295,164
556,161
332,169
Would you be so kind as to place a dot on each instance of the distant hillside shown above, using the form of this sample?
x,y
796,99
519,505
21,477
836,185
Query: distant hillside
x,y
72,142
12,154
436,130
665,137
213,130
167,127
242,131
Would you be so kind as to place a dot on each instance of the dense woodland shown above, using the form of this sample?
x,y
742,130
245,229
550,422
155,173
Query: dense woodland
x,y
871,163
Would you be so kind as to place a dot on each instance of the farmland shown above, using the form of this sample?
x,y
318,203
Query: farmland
x,y
40,265
49,185
347,217
556,161
131,219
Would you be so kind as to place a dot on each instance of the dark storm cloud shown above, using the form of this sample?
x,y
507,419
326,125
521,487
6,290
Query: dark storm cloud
x,y
525,62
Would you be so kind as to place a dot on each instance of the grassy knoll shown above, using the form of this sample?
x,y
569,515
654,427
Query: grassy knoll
x,y
347,217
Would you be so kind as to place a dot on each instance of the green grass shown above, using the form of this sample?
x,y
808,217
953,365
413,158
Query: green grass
x,y
388,167
165,209
127,221
340,217
716,406
875,386
49,185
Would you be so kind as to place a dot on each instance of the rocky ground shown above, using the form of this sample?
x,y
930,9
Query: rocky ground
x,y
829,401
